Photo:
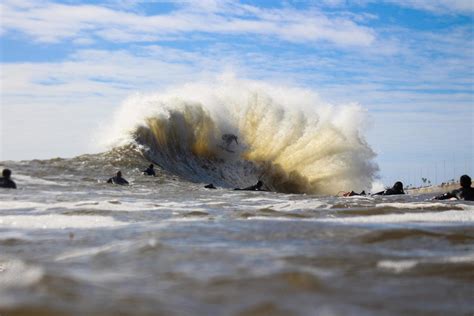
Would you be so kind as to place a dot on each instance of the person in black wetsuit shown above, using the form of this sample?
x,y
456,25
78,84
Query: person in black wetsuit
x,y
396,189
255,187
352,193
6,182
210,186
228,139
118,179
149,171
466,192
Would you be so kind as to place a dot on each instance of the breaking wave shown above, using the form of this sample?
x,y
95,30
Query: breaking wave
x,y
287,137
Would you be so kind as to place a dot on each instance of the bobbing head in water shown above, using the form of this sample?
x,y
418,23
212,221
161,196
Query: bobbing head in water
x,y
398,186
7,173
465,181
229,138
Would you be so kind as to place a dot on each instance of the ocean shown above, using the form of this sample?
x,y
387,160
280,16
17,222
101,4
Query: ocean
x,y
71,244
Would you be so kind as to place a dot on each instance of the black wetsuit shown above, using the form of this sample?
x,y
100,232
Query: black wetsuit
x,y
210,186
391,191
255,187
228,138
149,172
7,183
352,193
118,180
460,194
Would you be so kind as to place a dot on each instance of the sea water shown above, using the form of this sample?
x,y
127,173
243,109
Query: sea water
x,y
71,244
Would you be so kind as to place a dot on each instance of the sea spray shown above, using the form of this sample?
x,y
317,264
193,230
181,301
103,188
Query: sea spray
x,y
287,136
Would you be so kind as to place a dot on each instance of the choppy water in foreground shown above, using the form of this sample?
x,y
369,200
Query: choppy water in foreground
x,y
72,245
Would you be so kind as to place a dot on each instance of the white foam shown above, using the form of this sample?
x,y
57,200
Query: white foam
x,y
56,221
122,246
273,218
359,197
187,219
468,258
107,205
118,205
285,126
465,217
16,205
15,273
412,205
298,205
397,266
466,207
28,180
377,186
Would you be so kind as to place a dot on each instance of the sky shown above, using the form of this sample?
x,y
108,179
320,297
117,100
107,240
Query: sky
x,y
66,66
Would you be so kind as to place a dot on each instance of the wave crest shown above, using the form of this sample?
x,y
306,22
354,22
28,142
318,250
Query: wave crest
x,y
287,137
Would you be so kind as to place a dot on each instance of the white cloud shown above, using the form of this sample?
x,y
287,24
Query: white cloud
x,y
53,108
52,22
438,6
441,7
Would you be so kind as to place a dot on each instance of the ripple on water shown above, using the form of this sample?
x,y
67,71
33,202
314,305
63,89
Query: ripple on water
x,y
384,235
57,221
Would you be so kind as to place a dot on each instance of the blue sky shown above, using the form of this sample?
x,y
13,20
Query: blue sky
x,y
67,65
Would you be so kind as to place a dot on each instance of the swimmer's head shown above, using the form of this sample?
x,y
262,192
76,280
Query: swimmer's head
x,y
7,173
465,181
398,186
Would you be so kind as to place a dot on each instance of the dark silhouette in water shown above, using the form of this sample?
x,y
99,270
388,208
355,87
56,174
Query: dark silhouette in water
x,y
150,171
228,138
210,186
396,189
466,192
118,179
352,193
255,187
6,182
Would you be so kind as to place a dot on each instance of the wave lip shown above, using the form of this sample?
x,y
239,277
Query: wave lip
x,y
287,137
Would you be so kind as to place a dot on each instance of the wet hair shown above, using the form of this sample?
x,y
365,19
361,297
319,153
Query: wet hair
x,y
119,173
398,186
465,181
7,173
259,184
151,166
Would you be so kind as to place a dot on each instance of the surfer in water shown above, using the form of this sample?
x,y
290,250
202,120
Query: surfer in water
x,y
256,187
466,192
118,179
6,182
352,193
396,189
227,140
150,171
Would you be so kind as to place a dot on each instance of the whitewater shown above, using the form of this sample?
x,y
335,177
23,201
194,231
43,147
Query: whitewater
x,y
71,244
288,137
